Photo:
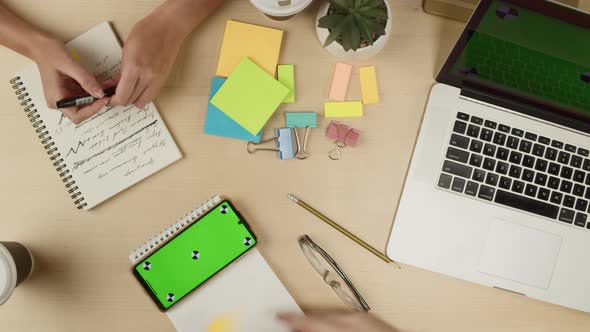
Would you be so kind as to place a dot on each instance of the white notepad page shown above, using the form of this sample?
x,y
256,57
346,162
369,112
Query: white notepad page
x,y
246,297
116,148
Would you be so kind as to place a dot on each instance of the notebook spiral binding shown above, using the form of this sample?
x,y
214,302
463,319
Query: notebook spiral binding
x,y
181,224
41,130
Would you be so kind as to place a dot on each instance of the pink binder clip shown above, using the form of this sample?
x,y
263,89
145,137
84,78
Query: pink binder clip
x,y
343,136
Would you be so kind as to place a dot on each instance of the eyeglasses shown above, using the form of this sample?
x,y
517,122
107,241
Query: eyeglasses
x,y
332,274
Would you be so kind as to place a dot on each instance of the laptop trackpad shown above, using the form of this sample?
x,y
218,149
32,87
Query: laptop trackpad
x,y
520,253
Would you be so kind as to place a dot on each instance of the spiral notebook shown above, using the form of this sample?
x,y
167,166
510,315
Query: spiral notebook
x,y
113,150
224,304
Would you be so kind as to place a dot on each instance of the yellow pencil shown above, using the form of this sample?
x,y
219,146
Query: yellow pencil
x,y
341,229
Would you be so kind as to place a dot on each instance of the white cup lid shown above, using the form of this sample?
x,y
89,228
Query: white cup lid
x,y
7,274
272,7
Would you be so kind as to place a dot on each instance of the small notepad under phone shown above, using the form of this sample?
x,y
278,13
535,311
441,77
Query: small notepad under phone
x,y
116,148
224,303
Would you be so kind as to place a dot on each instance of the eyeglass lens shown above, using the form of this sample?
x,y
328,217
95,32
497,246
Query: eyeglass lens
x,y
331,276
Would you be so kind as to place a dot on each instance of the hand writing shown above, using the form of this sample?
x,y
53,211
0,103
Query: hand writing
x,y
63,77
148,56
335,322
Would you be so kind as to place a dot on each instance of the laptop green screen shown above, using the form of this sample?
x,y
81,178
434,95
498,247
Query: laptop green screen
x,y
525,53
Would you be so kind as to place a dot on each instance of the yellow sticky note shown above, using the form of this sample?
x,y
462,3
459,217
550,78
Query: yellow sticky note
x,y
343,109
74,54
369,87
250,96
286,75
262,45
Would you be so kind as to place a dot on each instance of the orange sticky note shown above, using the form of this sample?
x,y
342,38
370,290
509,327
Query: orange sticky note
x,y
369,88
340,81
261,44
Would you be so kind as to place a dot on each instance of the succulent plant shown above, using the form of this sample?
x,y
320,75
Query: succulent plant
x,y
354,23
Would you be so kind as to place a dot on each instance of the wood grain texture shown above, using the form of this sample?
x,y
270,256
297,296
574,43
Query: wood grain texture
x,y
82,281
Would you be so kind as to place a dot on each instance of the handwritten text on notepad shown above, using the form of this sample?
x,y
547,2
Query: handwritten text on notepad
x,y
116,142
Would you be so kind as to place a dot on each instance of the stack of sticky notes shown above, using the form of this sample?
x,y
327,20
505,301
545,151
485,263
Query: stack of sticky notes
x,y
218,123
338,106
245,93
250,96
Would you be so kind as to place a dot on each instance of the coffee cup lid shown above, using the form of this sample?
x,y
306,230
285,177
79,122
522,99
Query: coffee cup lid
x,y
272,7
7,274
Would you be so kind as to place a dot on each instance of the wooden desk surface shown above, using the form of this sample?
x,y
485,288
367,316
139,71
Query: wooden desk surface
x,y
82,280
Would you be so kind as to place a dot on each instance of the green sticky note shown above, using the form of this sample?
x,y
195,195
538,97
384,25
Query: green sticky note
x,y
250,96
301,119
286,75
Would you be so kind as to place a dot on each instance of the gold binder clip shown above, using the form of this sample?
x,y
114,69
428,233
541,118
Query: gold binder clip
x,y
302,154
296,120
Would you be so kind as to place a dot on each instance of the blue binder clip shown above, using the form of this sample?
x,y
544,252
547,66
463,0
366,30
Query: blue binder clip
x,y
284,140
285,143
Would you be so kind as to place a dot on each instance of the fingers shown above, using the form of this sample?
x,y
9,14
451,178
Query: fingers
x,y
78,116
110,83
86,80
142,93
53,87
70,113
125,88
147,96
88,111
140,88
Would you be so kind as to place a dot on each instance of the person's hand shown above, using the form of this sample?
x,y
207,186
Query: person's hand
x,y
335,322
148,56
64,77
152,47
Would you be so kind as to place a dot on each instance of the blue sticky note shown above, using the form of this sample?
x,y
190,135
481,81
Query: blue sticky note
x,y
301,119
219,124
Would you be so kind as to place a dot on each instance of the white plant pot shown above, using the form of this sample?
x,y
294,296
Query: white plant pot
x,y
362,53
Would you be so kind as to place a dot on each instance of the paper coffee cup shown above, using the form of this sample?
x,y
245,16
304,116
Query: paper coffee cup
x,y
16,264
280,9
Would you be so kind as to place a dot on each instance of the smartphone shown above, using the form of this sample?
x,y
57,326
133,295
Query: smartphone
x,y
195,255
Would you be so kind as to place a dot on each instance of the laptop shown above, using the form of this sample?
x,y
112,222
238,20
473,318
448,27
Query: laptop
x,y
498,189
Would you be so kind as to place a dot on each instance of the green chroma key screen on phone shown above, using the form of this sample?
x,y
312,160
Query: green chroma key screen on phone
x,y
194,255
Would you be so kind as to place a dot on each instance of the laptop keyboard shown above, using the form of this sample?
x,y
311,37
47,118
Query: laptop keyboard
x,y
522,170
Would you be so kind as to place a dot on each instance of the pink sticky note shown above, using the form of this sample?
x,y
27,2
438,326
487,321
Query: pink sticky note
x,y
340,81
345,134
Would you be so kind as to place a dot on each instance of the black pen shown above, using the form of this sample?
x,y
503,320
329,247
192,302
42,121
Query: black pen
x,y
83,99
